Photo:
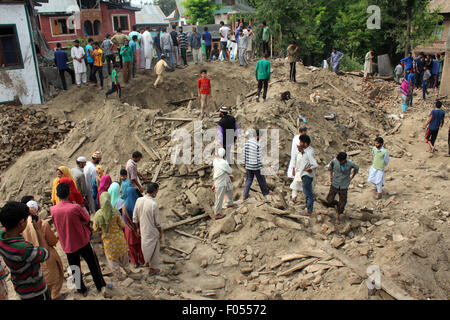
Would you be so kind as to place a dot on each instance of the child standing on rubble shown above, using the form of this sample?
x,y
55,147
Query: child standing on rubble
x,y
115,85
204,92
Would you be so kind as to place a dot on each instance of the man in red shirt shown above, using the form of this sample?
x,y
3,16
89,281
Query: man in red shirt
x,y
204,90
72,224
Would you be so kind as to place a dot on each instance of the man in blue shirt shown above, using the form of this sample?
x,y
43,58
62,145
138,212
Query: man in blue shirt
x,y
206,37
435,72
61,63
157,43
434,123
408,61
90,58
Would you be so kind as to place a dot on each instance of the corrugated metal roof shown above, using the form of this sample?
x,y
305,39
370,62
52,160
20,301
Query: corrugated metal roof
x,y
443,5
58,6
172,15
150,14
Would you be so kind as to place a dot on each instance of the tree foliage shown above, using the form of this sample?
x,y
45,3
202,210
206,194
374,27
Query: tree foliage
x,y
319,25
201,11
167,6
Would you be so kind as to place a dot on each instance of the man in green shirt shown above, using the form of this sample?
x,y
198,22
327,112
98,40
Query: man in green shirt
x,y
265,38
127,57
262,74
115,85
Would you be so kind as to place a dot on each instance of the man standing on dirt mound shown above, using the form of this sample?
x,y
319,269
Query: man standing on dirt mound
x,y
262,74
227,131
89,174
80,180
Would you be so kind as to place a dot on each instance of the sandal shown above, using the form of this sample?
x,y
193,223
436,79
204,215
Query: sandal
x,y
218,217
154,273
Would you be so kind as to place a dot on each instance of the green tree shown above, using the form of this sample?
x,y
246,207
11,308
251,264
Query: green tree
x,y
201,11
167,6
409,22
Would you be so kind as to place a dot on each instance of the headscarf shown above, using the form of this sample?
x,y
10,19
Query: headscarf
x,y
103,216
75,195
124,187
114,191
66,173
105,182
100,173
33,204
221,153
132,196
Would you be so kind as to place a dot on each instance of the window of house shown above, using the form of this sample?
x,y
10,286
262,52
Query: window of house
x,y
439,30
10,55
121,21
88,30
97,25
60,26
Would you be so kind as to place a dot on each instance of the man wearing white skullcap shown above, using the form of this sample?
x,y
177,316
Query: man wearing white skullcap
x,y
33,205
80,180
222,183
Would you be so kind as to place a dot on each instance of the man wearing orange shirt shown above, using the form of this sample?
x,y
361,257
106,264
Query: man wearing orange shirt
x,y
98,64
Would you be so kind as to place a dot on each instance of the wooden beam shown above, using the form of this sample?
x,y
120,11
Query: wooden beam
x,y
297,267
174,119
386,283
181,101
353,153
158,169
189,235
176,224
143,145
77,147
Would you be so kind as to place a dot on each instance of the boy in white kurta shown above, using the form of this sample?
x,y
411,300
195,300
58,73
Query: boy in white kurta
x,y
380,161
296,184
148,222
79,65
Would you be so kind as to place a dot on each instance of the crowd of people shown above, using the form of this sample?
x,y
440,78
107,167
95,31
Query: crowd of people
x,y
137,49
85,200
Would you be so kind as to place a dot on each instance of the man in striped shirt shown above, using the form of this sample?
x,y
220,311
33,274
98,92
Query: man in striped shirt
x,y
23,259
182,36
253,164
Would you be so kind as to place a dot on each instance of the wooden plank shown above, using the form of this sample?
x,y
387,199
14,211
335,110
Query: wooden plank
x,y
120,115
179,223
177,214
297,267
158,169
77,147
332,263
190,296
353,153
189,235
276,211
143,145
396,128
174,119
317,86
356,141
386,283
181,101
20,186
179,250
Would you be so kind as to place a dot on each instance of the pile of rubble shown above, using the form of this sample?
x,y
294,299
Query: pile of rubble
x,y
26,129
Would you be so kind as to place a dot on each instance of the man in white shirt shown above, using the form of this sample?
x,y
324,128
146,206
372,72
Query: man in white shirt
x,y
224,34
308,165
294,151
79,65
90,174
